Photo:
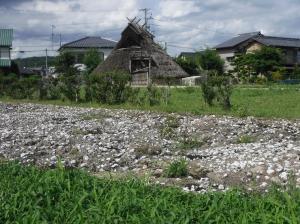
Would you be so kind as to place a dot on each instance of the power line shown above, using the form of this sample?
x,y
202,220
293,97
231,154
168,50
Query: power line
x,y
63,11
194,27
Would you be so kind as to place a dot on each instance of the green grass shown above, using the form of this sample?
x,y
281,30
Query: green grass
x,y
245,139
178,168
30,195
270,101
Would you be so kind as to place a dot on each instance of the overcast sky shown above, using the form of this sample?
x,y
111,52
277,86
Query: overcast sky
x,y
186,25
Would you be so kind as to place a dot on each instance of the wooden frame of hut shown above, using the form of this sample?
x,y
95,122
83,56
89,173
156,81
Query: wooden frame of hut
x,y
137,53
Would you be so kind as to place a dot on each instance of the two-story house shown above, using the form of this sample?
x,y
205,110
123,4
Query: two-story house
x,y
249,42
6,38
81,46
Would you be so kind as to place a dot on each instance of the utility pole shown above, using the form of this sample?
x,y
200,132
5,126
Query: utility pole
x,y
46,59
52,35
146,17
60,40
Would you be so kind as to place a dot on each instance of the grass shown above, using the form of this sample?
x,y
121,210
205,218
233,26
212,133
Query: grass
x,y
178,168
270,101
190,143
245,139
31,195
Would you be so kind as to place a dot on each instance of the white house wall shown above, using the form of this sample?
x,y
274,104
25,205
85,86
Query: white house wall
x,y
225,55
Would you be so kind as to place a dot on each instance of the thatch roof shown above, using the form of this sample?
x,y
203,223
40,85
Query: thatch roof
x,y
138,44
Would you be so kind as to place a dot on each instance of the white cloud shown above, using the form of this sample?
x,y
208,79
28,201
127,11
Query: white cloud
x,y
177,8
189,23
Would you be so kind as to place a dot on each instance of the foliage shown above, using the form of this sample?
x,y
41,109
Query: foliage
x,y
217,87
70,77
31,195
188,65
260,62
208,60
178,168
35,61
188,143
49,89
18,87
211,61
296,72
153,95
92,59
110,87
245,139
208,91
268,101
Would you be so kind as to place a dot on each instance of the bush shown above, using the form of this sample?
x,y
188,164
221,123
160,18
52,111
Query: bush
x,y
208,92
70,77
19,88
49,89
110,87
261,80
153,95
177,168
219,87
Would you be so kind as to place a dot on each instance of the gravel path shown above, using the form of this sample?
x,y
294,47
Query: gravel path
x,y
221,151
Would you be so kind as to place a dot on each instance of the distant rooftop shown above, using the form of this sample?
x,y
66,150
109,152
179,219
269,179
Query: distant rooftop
x,y
91,42
238,39
6,37
259,37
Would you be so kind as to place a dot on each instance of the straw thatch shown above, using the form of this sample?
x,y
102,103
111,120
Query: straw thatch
x,y
138,54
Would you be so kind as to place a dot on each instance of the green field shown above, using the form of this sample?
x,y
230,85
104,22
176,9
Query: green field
x,y
31,195
275,101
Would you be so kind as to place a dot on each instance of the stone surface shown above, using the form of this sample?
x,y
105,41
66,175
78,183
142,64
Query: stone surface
x,y
102,140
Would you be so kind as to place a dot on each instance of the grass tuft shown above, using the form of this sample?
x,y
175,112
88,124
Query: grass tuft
x,y
178,168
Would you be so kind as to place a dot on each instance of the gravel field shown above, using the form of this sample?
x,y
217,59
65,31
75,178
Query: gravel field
x,y
222,152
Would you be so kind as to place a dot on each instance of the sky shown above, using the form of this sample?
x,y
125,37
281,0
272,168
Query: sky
x,y
185,25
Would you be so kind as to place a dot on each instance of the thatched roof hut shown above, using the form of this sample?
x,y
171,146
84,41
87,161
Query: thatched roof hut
x,y
138,54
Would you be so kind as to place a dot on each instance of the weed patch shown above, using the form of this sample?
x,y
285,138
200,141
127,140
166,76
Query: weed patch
x,y
178,168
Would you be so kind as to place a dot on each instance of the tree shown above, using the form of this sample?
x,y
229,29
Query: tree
x,y
210,60
69,75
260,62
188,65
92,59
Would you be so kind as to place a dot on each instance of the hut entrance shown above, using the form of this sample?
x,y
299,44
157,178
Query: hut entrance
x,y
140,70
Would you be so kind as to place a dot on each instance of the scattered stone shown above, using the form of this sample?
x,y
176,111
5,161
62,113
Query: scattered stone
x,y
131,141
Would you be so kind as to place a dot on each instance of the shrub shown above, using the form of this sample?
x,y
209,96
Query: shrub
x,y
178,168
70,77
208,92
153,95
261,80
217,86
110,87
49,89
277,76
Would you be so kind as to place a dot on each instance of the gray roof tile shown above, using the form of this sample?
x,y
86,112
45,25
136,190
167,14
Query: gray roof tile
x,y
91,42
237,40
278,41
